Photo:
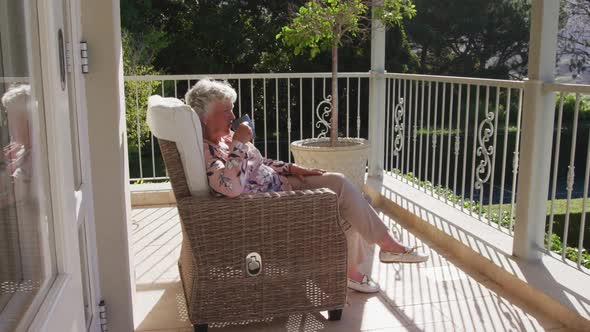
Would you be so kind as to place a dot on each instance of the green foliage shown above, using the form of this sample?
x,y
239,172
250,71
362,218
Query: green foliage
x,y
135,61
136,96
560,209
473,38
398,55
456,37
139,50
143,37
320,25
236,36
569,107
570,253
393,12
213,36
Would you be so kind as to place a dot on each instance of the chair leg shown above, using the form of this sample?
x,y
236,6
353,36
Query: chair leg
x,y
200,327
335,314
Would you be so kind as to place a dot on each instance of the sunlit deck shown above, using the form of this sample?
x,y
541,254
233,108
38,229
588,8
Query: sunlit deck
x,y
440,295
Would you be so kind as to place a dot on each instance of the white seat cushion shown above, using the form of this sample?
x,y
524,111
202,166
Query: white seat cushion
x,y
172,120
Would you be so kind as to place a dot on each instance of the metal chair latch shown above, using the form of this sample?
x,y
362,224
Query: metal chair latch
x,y
253,264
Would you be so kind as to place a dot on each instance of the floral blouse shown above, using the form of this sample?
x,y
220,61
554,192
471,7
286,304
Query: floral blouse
x,y
234,168
15,173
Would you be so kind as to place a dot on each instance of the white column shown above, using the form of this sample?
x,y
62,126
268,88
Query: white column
x,y
377,98
101,26
537,133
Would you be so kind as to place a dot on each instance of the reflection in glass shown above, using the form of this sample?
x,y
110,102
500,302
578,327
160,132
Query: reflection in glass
x,y
26,235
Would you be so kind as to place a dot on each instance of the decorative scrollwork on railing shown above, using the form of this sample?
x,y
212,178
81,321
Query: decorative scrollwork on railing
x,y
324,117
483,137
398,128
415,134
457,144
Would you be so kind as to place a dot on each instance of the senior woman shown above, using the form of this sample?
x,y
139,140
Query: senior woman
x,y
234,166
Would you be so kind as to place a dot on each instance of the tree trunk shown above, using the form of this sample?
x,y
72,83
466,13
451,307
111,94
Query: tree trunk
x,y
334,119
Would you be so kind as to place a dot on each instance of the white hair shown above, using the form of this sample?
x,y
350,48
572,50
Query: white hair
x,y
205,91
16,95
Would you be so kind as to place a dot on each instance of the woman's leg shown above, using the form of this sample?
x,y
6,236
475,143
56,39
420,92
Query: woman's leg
x,y
356,213
353,207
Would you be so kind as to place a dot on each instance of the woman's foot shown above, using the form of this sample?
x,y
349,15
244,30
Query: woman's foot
x,y
365,285
409,255
361,282
389,243
394,252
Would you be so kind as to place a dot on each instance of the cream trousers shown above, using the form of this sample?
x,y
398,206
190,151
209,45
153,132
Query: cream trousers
x,y
360,222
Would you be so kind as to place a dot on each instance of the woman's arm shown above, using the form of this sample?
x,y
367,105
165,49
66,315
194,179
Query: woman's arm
x,y
226,176
280,167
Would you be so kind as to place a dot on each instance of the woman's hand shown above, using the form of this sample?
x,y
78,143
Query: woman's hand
x,y
243,133
301,172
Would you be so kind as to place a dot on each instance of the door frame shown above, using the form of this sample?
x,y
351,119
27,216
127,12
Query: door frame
x,y
84,194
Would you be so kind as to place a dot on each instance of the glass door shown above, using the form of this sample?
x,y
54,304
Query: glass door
x,y
47,258
28,265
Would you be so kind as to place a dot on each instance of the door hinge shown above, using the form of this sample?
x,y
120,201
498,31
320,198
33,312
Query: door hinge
x,y
102,315
84,56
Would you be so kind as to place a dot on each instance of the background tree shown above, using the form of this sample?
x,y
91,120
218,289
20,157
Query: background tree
x,y
320,25
141,44
213,37
139,52
573,42
474,38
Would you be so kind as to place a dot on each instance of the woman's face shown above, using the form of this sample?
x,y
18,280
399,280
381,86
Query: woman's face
x,y
18,124
219,119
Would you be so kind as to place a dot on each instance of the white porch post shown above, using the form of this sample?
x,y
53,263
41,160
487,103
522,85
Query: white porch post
x,y
537,132
108,153
377,98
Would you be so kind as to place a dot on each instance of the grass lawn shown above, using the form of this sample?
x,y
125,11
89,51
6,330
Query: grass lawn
x,y
560,206
559,213
439,131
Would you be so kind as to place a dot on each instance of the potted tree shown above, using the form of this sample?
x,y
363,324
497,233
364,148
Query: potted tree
x,y
320,25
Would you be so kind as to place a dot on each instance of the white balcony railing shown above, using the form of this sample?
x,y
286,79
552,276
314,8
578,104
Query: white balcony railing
x,y
571,144
282,106
456,138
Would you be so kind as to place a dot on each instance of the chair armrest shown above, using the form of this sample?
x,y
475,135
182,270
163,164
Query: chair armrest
x,y
210,202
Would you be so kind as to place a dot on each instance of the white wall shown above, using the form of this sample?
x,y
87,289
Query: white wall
x,y
108,150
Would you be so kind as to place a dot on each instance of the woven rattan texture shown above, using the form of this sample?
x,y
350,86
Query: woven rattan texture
x,y
174,168
297,235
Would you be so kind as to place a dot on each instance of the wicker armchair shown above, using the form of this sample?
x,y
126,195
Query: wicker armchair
x,y
253,256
